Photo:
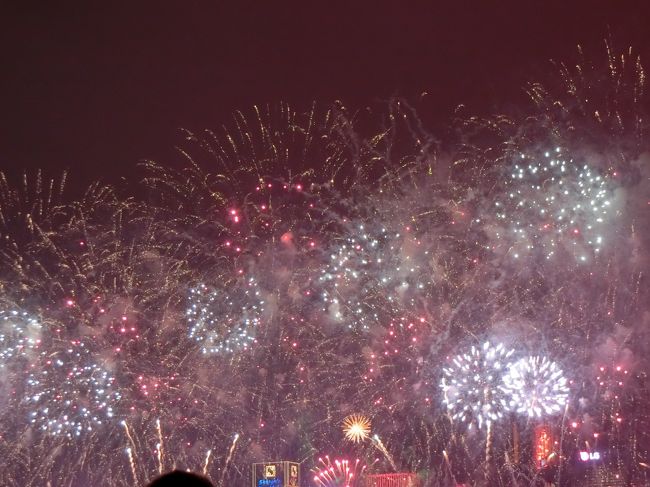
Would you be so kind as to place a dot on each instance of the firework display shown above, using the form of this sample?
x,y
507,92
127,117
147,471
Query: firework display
x,y
225,326
472,384
356,427
555,203
536,386
338,473
69,395
300,267
364,266
19,336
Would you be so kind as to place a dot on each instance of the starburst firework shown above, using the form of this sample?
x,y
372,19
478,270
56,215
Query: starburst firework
x,y
471,384
356,427
536,386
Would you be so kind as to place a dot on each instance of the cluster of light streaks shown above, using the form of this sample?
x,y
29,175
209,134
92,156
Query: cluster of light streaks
x,y
536,386
472,384
338,472
225,323
553,202
295,271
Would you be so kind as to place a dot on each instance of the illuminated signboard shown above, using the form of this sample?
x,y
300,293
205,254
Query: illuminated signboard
x,y
589,456
269,483
276,474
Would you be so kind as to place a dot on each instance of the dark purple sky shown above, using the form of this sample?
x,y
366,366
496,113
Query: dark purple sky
x,y
96,87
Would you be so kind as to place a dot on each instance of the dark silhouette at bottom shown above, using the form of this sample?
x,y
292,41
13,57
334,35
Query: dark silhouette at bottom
x,y
178,478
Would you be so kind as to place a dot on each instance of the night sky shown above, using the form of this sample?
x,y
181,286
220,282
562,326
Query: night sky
x,y
95,87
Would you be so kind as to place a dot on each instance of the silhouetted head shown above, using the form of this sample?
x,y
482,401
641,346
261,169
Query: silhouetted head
x,y
177,478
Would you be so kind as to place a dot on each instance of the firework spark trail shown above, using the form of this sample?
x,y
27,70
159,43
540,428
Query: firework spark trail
x,y
382,448
448,465
128,435
129,453
206,462
159,447
510,466
562,433
228,458
489,439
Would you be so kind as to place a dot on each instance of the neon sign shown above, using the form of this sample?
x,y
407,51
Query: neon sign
x,y
269,483
589,456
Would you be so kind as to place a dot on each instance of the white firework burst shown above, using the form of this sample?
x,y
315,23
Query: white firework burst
x,y
69,394
225,320
371,266
553,202
20,335
472,384
536,387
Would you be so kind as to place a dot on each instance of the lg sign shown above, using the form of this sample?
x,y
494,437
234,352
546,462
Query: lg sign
x,y
589,456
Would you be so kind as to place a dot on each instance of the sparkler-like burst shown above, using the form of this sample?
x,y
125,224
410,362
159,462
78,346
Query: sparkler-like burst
x,y
471,384
356,427
68,394
20,336
536,386
371,271
225,320
338,473
554,203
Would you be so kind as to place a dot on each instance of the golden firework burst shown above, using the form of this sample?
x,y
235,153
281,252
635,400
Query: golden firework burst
x,y
356,427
